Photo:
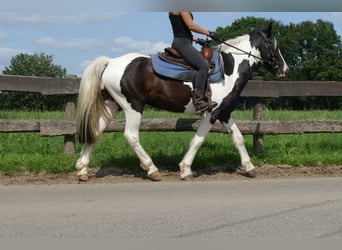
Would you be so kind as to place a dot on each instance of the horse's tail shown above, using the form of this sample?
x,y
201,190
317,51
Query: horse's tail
x,y
91,104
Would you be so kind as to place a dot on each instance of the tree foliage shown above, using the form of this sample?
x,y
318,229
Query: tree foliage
x,y
312,51
34,65
40,65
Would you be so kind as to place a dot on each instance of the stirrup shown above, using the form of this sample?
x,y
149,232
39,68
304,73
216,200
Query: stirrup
x,y
201,110
208,108
212,106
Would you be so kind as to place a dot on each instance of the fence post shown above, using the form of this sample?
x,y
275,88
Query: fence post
x,y
70,115
258,139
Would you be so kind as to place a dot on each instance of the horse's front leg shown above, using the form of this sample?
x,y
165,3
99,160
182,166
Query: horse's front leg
x,y
239,143
196,143
133,120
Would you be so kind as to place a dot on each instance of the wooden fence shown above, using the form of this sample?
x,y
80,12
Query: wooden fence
x,y
255,88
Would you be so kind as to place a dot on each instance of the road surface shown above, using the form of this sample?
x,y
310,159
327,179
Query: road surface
x,y
278,208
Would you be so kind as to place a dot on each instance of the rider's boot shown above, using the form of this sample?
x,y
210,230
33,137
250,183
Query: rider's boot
x,y
199,100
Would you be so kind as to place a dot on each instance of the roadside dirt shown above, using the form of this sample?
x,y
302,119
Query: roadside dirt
x,y
115,175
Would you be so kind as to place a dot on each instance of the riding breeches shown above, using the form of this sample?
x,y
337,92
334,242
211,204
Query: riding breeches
x,y
195,59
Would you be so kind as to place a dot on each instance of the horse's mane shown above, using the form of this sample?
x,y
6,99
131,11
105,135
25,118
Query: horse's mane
x,y
233,41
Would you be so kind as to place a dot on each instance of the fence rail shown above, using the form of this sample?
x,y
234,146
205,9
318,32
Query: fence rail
x,y
262,127
255,88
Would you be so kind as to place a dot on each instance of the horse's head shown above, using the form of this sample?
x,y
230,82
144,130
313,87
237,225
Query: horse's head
x,y
270,52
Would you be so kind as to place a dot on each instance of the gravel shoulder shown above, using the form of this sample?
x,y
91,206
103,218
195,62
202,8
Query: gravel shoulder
x,y
113,175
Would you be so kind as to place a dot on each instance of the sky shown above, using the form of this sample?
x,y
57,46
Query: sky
x,y
75,32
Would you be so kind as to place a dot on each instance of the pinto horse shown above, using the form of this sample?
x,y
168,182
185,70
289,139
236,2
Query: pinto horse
x,y
129,82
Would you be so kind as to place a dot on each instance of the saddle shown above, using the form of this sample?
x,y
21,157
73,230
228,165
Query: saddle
x,y
170,64
173,56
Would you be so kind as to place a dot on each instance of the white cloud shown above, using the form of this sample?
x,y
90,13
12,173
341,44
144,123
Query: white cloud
x,y
130,45
70,44
84,64
6,55
55,18
337,15
337,18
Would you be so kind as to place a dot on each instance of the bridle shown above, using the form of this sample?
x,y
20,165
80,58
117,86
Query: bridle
x,y
269,45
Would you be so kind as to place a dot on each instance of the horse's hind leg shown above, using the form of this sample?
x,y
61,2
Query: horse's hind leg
x,y
84,160
239,143
195,144
133,120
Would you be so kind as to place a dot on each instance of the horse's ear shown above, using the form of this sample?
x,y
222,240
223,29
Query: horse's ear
x,y
268,30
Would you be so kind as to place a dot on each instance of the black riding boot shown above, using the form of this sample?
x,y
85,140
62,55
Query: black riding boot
x,y
199,100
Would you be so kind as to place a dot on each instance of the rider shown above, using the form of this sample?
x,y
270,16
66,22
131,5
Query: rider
x,y
182,24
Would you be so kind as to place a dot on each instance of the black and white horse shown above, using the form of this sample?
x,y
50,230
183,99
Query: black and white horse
x,y
129,82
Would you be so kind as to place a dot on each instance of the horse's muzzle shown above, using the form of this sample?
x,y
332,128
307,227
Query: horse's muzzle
x,y
282,72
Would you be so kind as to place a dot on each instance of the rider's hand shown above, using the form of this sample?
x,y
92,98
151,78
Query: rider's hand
x,y
214,36
201,42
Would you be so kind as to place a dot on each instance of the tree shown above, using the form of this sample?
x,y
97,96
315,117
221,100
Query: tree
x,y
40,65
242,26
315,51
34,65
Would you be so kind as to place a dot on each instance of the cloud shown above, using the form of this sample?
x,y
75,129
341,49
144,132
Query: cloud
x,y
6,55
55,18
337,18
69,44
130,45
2,36
126,44
84,65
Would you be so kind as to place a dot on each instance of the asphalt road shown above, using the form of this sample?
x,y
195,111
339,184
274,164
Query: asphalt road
x,y
279,208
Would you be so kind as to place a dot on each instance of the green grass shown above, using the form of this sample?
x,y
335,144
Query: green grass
x,y
31,152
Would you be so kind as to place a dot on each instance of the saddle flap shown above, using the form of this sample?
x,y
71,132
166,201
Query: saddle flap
x,y
172,52
170,56
206,52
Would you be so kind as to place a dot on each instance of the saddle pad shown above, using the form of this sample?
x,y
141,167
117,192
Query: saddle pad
x,y
181,73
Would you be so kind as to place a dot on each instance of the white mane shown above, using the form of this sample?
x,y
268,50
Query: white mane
x,y
234,41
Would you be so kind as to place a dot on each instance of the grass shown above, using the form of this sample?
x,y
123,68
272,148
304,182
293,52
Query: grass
x,y
31,152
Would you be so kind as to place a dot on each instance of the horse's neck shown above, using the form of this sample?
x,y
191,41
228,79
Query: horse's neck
x,y
243,67
240,47
243,52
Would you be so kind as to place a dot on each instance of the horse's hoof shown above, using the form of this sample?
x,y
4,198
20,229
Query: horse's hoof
x,y
251,174
187,178
155,176
83,178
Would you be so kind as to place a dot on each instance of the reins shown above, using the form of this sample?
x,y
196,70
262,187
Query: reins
x,y
247,53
